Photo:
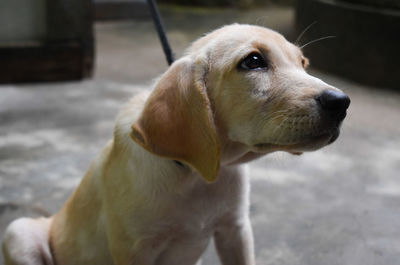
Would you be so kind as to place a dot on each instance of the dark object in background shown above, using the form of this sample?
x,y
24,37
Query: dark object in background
x,y
229,3
376,3
128,9
161,31
366,46
210,3
120,9
46,40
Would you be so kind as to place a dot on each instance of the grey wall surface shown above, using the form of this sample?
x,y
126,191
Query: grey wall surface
x,y
22,20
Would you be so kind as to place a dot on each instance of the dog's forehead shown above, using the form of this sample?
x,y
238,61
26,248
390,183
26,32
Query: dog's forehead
x,y
276,46
238,38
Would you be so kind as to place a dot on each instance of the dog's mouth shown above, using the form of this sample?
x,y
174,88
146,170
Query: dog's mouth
x,y
305,143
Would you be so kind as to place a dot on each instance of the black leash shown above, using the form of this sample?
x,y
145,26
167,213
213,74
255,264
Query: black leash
x,y
161,32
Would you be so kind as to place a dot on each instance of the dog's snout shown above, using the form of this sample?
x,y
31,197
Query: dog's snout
x,y
335,102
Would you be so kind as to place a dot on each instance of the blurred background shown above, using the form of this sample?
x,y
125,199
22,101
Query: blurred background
x,y
67,67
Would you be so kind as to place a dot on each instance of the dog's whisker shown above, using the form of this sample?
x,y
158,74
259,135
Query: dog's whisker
x,y
261,21
281,113
280,125
316,40
304,32
276,117
279,117
280,137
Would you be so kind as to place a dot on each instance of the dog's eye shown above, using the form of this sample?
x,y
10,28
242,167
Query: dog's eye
x,y
253,61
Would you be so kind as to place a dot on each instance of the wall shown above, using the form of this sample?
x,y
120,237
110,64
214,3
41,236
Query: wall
x,y
22,20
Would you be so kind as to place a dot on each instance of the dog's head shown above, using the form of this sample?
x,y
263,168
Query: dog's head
x,y
242,84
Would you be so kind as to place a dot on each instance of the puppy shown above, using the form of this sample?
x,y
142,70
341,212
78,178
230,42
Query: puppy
x,y
173,177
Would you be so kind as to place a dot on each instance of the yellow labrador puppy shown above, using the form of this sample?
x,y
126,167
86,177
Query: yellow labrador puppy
x,y
173,176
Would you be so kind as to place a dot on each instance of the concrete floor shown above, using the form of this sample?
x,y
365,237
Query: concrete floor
x,y
336,206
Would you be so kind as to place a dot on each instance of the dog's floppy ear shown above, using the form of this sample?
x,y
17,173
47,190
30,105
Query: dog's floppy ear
x,y
177,120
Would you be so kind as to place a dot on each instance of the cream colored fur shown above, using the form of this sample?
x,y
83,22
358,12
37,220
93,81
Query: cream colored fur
x,y
173,177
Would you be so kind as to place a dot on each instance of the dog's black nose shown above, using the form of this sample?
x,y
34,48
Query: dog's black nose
x,y
334,102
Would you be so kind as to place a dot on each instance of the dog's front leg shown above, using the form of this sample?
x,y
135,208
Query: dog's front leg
x,y
134,253
234,243
131,255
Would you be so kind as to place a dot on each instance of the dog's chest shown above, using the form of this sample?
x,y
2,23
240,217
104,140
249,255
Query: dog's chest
x,y
192,218
200,208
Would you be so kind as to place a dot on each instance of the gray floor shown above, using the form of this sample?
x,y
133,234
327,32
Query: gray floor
x,y
339,205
